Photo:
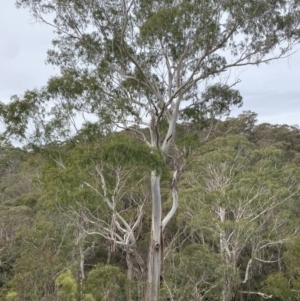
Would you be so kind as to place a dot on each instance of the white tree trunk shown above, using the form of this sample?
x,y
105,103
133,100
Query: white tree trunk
x,y
155,248
158,225
82,276
225,251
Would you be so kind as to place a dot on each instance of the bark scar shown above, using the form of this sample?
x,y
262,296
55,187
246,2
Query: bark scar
x,y
169,137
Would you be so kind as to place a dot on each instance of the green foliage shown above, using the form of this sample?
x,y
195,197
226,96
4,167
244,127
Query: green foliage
x,y
67,287
11,296
123,149
234,194
27,200
88,297
39,243
164,24
277,285
194,271
42,254
106,282
68,169
286,285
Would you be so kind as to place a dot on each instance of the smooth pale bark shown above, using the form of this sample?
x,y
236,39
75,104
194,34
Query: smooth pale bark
x,y
158,225
155,249
82,276
175,201
224,250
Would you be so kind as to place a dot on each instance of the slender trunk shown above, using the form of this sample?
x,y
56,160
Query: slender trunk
x,y
155,258
129,276
82,276
136,269
226,252
155,249
226,295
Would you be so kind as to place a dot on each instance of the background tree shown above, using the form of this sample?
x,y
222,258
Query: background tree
x,y
285,284
19,194
102,189
236,199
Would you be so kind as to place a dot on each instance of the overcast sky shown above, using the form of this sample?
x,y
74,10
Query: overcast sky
x,y
272,91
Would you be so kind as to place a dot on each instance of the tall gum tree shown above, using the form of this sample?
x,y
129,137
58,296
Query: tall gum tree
x,y
236,197
145,63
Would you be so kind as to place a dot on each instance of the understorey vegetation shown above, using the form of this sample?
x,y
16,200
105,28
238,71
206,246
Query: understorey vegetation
x,y
76,216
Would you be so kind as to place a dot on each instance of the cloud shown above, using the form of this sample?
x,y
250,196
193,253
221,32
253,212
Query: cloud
x,y
23,51
9,50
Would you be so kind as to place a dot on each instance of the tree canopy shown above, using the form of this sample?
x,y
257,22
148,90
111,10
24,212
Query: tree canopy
x,y
125,61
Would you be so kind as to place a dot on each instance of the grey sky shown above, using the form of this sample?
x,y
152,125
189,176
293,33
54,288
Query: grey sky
x,y
23,47
272,91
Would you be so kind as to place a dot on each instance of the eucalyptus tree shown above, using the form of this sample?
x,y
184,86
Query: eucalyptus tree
x,y
103,191
148,64
285,284
43,252
18,197
237,198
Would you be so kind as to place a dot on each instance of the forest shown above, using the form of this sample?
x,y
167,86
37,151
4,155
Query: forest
x,y
236,231
132,181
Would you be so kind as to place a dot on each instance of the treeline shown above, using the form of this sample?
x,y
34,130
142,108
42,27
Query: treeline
x,y
75,216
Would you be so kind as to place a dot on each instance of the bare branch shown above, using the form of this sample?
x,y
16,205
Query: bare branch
x,y
175,201
257,293
246,278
